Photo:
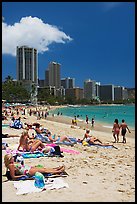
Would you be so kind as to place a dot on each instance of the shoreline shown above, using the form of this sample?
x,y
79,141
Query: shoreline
x,y
99,125
132,128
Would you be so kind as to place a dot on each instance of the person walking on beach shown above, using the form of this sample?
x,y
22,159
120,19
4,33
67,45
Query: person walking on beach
x,y
116,130
124,128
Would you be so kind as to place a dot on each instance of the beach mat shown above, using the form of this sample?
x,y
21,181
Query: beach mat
x,y
71,151
25,187
103,146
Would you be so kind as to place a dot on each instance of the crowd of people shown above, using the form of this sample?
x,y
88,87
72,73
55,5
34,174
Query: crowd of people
x,y
34,137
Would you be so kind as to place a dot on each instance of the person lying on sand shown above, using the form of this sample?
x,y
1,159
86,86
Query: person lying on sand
x,y
7,135
18,170
46,134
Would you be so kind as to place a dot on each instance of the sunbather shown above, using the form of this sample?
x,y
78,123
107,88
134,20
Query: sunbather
x,y
93,140
18,170
29,145
45,135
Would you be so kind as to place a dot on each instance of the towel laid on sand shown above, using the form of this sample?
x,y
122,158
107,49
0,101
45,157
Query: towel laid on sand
x,y
71,151
27,186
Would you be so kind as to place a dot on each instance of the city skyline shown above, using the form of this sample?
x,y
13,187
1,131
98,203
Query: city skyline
x,y
96,41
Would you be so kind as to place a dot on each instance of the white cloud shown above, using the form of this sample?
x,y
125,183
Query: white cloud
x,y
33,32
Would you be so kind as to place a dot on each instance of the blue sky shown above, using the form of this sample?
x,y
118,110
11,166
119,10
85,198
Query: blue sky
x,y
91,40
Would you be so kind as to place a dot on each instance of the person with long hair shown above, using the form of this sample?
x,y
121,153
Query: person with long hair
x,y
29,145
17,170
116,130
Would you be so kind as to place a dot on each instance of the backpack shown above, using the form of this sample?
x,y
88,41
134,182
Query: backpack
x,y
58,151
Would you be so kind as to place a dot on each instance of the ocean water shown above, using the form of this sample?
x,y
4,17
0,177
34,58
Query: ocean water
x,y
101,113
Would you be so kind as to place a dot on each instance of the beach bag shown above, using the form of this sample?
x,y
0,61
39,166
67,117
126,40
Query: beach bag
x,y
17,124
84,143
39,180
57,151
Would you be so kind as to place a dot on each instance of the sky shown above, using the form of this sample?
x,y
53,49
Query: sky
x,y
91,40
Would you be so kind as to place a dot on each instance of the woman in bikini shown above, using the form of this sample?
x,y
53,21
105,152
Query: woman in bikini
x,y
18,170
93,140
29,145
116,130
90,139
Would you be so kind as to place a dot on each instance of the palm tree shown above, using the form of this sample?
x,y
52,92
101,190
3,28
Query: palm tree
x,y
9,78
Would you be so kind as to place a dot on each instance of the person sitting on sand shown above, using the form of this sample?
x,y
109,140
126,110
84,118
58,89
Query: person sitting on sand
x,y
92,140
26,145
18,170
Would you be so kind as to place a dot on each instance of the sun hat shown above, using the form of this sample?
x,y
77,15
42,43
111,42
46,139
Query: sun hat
x,y
39,180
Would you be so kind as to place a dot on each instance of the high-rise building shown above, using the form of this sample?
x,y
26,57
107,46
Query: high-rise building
x,y
97,89
27,64
76,93
107,92
120,93
27,69
68,83
89,89
47,78
52,75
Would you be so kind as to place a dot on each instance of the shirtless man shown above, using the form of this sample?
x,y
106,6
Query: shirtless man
x,y
124,127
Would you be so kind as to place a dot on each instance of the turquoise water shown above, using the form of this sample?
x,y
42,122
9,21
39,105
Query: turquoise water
x,y
104,114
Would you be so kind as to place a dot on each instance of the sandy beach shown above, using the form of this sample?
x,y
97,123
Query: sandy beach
x,y
96,174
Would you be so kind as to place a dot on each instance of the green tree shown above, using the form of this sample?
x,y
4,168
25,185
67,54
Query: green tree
x,y
14,91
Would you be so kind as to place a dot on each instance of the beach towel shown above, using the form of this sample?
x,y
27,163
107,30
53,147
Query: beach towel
x,y
71,151
42,138
46,175
24,187
103,146
33,155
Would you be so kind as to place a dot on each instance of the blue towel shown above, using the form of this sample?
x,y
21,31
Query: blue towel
x,y
32,155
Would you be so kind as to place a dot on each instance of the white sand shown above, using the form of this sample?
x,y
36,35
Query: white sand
x,y
95,175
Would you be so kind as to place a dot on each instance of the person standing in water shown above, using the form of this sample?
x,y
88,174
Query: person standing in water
x,y
92,122
86,119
